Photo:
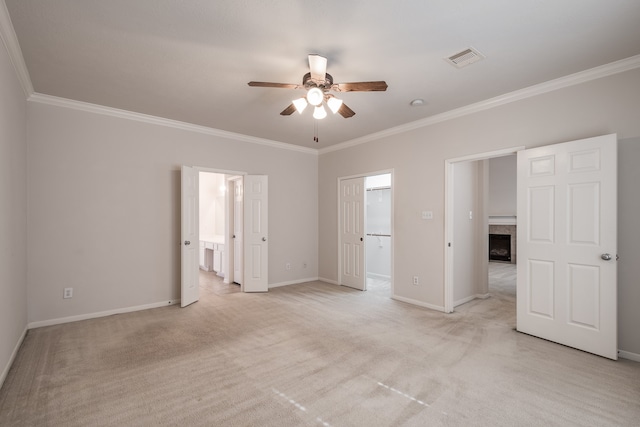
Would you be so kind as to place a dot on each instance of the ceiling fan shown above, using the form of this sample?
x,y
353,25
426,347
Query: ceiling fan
x,y
318,84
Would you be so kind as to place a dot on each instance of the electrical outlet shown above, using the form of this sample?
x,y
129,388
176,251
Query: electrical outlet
x,y
288,266
304,265
68,293
415,280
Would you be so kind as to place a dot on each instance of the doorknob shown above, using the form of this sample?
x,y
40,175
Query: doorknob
x,y
187,243
361,239
264,239
606,257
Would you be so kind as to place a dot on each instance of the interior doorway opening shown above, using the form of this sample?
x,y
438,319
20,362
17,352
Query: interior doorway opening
x,y
481,195
214,246
378,233
365,241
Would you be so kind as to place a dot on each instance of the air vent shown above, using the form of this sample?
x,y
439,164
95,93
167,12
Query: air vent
x,y
464,58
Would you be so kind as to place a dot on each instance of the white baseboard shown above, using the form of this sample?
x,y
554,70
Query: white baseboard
x,y
628,355
79,317
464,300
333,282
5,371
379,276
418,303
293,282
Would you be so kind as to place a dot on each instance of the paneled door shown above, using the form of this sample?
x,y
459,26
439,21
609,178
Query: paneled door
x,y
567,210
256,245
238,232
189,243
352,230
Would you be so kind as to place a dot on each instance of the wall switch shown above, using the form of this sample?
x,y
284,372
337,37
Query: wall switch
x,y
288,266
470,214
68,293
427,215
415,280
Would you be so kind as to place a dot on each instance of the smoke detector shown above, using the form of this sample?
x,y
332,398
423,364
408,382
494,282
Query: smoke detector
x,y
464,58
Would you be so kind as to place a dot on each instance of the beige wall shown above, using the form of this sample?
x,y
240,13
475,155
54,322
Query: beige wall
x,y
13,212
104,208
603,106
502,185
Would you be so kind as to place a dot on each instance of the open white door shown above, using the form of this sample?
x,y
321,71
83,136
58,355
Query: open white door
x,y
352,228
189,234
567,242
238,232
256,246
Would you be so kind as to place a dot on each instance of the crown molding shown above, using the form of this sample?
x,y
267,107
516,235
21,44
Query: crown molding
x,y
10,40
145,118
528,92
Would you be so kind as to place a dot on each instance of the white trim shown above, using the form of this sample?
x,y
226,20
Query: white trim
x,y
10,39
330,281
379,276
470,298
464,300
418,303
145,118
293,282
616,67
628,355
87,316
14,353
503,220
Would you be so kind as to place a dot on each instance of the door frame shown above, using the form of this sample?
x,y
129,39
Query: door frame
x,y
226,222
449,250
229,227
392,240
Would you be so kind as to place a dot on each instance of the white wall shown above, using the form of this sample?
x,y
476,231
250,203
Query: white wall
x,y
104,208
503,185
13,212
378,250
629,244
603,106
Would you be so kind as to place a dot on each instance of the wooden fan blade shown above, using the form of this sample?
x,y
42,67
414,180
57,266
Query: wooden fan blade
x,y
288,111
318,67
278,85
345,111
360,86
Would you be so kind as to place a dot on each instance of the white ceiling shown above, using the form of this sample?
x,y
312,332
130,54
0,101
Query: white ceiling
x,y
191,60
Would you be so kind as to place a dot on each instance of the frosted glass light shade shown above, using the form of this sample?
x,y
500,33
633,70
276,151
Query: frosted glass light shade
x,y
334,104
300,104
319,112
315,96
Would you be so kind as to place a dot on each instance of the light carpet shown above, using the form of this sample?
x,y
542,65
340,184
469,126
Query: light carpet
x,y
313,354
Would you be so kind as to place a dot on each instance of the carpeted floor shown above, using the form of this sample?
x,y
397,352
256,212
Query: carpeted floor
x,y
313,355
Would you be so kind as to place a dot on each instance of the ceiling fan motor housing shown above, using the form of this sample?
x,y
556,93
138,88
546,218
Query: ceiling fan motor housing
x,y
325,85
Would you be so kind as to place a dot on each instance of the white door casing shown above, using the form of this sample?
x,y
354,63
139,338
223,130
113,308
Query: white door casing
x,y
256,244
189,243
238,226
352,229
567,226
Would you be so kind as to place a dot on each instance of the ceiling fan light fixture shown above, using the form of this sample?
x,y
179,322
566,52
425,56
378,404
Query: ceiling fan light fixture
x,y
334,104
300,104
319,112
315,96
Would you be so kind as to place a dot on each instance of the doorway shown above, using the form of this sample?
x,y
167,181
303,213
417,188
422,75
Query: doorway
x,y
467,218
213,244
365,242
378,233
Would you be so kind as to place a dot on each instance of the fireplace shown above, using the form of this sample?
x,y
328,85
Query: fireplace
x,y
500,247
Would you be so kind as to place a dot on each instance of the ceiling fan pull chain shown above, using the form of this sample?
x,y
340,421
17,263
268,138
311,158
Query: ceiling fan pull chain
x,y
315,131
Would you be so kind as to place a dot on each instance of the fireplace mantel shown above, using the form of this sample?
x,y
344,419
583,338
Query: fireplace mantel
x,y
503,220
